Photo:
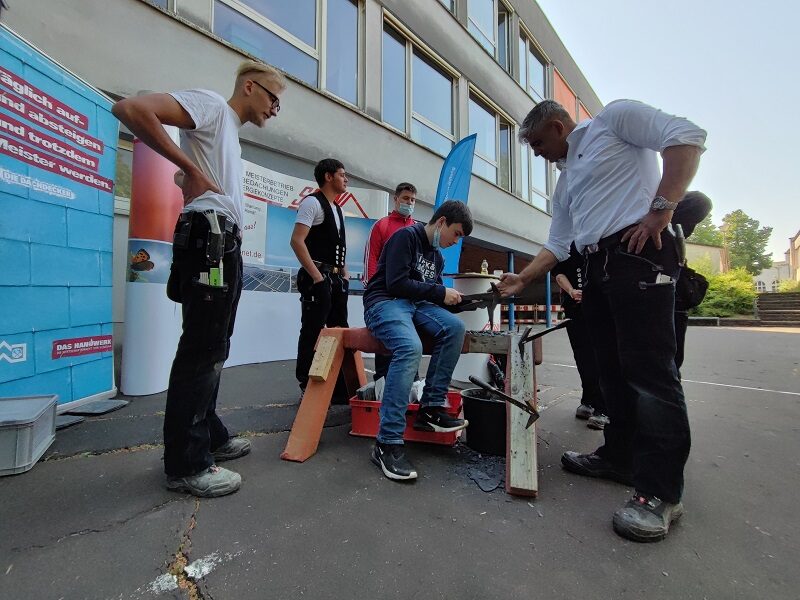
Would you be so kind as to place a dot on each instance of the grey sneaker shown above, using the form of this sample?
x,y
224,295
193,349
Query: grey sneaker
x,y
233,448
214,481
646,518
584,412
598,422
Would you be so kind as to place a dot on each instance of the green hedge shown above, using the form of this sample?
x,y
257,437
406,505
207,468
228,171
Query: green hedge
x,y
789,285
728,294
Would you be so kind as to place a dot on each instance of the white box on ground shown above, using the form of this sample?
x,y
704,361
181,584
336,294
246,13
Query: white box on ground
x,y
27,428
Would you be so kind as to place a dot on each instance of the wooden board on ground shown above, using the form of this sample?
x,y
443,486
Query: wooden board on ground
x,y
310,419
521,461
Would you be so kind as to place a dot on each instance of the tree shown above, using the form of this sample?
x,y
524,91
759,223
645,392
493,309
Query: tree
x,y
707,233
746,241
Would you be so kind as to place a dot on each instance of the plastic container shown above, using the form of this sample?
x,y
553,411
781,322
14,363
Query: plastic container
x,y
27,428
366,420
486,432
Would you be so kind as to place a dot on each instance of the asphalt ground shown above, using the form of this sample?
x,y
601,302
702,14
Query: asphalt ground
x,y
93,519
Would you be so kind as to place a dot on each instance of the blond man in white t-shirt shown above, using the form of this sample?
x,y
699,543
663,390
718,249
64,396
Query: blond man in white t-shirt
x,y
206,272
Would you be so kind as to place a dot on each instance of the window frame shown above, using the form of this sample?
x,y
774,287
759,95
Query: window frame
x,y
500,118
122,204
532,191
319,54
415,45
533,47
497,4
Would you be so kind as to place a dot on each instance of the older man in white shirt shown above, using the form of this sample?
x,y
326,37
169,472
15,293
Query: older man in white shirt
x,y
614,203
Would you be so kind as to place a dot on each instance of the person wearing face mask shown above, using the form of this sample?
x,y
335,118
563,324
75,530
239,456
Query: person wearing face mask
x,y
404,296
405,196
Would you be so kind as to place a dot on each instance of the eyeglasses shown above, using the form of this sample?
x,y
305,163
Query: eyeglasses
x,y
276,102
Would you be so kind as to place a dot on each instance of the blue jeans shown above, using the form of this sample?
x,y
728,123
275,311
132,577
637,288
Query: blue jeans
x,y
395,324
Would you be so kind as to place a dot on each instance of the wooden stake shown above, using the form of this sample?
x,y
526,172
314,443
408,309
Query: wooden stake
x,y
521,460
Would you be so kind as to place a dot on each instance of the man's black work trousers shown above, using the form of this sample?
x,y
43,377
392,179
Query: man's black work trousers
x,y
631,323
324,304
192,428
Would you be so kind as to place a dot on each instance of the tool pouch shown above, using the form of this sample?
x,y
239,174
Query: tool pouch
x,y
215,247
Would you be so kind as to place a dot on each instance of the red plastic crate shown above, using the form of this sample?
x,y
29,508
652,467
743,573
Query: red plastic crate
x,y
366,419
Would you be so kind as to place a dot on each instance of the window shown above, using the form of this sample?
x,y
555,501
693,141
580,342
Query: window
x,y
775,285
161,3
448,4
429,117
341,52
285,34
536,187
761,286
492,146
532,69
124,174
489,23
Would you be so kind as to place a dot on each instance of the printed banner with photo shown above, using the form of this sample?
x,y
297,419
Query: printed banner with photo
x,y
271,202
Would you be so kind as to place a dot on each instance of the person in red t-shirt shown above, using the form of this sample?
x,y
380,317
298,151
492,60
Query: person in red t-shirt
x,y
405,196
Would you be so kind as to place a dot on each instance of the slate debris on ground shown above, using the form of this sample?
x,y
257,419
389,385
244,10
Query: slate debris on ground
x,y
487,471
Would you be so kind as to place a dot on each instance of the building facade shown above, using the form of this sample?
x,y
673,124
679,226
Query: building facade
x,y
793,256
386,86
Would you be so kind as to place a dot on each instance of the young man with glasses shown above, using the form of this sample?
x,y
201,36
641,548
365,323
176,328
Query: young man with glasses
x,y
207,242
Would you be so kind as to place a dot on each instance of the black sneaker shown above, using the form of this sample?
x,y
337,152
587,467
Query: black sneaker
x,y
391,458
435,418
591,465
646,518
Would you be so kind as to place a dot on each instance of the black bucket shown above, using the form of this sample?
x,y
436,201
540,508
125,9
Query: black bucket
x,y
486,432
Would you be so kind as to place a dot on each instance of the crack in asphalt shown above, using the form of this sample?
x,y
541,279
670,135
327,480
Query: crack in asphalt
x,y
87,531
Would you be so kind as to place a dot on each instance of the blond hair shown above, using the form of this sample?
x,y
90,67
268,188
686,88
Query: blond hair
x,y
251,67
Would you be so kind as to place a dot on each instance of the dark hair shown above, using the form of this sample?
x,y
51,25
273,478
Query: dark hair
x,y
546,110
405,187
326,165
454,211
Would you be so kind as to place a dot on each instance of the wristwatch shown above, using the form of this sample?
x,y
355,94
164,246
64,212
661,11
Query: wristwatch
x,y
661,203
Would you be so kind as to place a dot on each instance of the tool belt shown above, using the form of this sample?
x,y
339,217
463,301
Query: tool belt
x,y
325,268
610,241
228,226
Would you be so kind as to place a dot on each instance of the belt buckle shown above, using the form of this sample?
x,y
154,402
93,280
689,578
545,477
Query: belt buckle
x,y
335,270
591,248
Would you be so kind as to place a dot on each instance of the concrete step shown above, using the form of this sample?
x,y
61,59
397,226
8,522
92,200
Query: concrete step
x,y
780,323
794,295
779,315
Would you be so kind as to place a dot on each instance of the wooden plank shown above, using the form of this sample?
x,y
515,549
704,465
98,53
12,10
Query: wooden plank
x,y
485,343
521,461
323,356
310,419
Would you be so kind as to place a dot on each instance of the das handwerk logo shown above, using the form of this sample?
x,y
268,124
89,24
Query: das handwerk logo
x,y
13,353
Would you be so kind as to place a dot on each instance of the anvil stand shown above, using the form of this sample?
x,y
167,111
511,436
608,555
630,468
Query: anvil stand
x,y
339,349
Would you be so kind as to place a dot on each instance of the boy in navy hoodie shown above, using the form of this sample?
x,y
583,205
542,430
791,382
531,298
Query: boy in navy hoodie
x,y
404,296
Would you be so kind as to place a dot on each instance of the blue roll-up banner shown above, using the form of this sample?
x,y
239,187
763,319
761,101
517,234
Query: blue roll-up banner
x,y
454,183
58,144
